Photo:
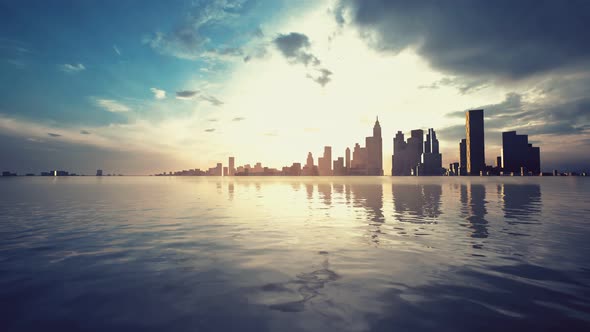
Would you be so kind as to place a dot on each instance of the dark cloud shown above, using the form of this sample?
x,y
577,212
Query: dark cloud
x,y
214,101
53,135
239,118
503,38
323,76
186,94
85,132
210,130
295,47
513,113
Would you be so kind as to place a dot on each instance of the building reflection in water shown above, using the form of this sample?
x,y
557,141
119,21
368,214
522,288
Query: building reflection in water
x,y
473,209
417,204
521,203
325,191
370,198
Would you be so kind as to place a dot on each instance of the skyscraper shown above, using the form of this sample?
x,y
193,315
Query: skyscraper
x,y
375,151
309,169
475,142
517,153
399,157
347,158
463,157
232,166
407,156
325,162
431,163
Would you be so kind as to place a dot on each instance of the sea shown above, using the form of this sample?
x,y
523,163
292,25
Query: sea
x,y
295,254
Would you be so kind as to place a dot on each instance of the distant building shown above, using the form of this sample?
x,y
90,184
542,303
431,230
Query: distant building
x,y
309,169
231,166
347,159
325,162
8,173
431,161
454,169
474,131
374,146
226,171
99,172
339,168
407,155
358,164
518,155
463,157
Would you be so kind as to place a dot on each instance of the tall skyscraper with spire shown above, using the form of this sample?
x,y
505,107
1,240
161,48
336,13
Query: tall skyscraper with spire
x,y
374,146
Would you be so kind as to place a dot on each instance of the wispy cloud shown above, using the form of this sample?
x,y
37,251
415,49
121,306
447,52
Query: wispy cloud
x,y
112,106
158,94
214,101
72,68
116,49
186,94
239,118
85,132
210,130
53,135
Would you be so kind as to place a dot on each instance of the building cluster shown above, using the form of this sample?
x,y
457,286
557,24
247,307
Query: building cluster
x,y
518,156
419,155
416,156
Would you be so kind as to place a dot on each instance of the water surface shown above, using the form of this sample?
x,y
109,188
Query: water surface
x,y
294,254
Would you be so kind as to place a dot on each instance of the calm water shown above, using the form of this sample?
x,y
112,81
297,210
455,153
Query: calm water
x,y
294,254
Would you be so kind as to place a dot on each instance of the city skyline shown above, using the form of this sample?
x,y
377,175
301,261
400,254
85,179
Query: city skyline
x,y
185,84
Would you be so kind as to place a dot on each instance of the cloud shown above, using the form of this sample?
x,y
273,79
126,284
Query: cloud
x,y
158,94
214,101
190,40
75,68
465,85
323,77
503,39
85,132
186,94
112,106
210,130
212,120
53,135
294,46
116,49
237,119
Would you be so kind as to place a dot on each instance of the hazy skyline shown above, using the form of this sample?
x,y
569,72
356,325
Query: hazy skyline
x,y
142,86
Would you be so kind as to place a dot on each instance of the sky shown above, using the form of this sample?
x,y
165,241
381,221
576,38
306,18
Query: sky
x,y
141,87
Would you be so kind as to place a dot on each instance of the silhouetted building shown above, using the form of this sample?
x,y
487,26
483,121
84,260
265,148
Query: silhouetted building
x,y
463,157
407,155
231,166
225,171
8,173
454,169
374,146
325,162
431,158
309,169
99,172
347,159
339,169
359,161
518,156
475,149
